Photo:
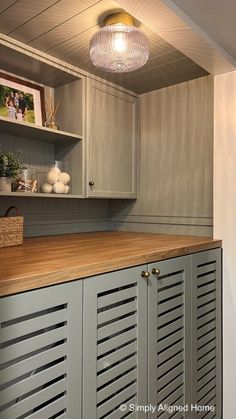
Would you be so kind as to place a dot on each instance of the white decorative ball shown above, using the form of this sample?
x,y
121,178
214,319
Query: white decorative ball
x,y
46,188
55,169
67,188
52,177
64,178
58,187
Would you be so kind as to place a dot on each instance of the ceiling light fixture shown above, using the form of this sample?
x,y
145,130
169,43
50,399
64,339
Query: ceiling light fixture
x,y
119,47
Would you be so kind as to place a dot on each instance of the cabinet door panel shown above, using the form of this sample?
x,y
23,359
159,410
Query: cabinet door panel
x,y
206,331
41,350
169,334
112,136
115,343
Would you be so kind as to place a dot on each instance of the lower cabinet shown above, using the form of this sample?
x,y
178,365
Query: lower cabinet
x,y
169,335
143,342
184,336
115,344
41,353
206,333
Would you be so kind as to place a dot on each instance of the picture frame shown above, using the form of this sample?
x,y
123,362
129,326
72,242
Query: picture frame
x,y
21,100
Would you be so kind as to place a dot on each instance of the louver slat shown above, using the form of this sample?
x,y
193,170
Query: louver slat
x,y
202,341
168,317
170,292
116,356
52,409
115,401
208,367
32,402
205,309
33,344
116,385
205,299
170,340
31,364
170,304
206,348
206,318
25,327
208,327
116,297
177,359
206,379
170,376
170,328
204,268
170,388
116,371
202,280
32,382
113,313
170,352
116,341
208,287
116,327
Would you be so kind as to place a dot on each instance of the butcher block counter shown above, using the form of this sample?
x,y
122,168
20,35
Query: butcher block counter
x,y
50,260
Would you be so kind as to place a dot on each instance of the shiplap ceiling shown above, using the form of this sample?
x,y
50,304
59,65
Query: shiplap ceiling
x,y
63,28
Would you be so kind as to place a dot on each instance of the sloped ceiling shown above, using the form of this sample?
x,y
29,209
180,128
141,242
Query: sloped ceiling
x,y
63,28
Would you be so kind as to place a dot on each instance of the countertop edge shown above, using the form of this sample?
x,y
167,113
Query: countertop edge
x,y
23,284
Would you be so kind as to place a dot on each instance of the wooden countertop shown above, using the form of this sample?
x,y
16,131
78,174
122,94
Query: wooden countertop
x,y
44,261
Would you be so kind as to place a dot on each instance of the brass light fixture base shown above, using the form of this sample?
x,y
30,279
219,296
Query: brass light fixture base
x,y
123,17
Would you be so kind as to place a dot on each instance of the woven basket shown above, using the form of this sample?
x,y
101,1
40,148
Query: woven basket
x,y
11,229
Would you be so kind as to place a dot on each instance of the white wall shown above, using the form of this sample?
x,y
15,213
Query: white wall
x,y
225,223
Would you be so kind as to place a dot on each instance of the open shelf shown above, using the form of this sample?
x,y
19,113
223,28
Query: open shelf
x,y
41,146
36,132
40,195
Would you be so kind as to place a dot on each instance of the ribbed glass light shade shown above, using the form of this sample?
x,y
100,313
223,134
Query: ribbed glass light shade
x,y
119,48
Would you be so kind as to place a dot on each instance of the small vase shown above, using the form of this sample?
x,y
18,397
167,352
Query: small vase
x,y
5,184
51,123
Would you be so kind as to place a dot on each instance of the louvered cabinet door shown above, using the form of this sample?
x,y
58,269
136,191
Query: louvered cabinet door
x,y
169,347
115,344
206,329
41,353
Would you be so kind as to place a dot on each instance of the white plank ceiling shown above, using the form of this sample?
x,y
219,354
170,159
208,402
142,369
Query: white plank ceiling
x,y
63,28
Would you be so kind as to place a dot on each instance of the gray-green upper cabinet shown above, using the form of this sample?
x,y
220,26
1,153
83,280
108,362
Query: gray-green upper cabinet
x,y
115,344
169,331
112,141
41,353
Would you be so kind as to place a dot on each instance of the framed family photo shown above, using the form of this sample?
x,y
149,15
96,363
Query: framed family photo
x,y
21,100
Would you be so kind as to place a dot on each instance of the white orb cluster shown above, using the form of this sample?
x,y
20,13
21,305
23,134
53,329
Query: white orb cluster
x,y
56,181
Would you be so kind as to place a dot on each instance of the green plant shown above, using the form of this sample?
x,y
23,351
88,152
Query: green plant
x,y
10,165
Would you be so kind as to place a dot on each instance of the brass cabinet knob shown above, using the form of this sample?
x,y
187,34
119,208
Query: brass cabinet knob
x,y
156,271
91,183
145,274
